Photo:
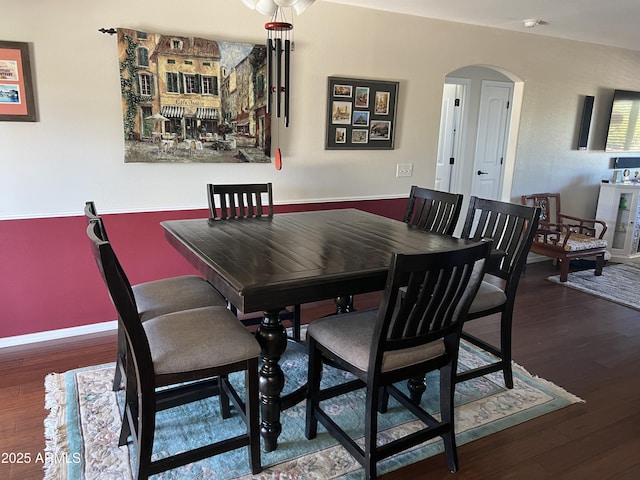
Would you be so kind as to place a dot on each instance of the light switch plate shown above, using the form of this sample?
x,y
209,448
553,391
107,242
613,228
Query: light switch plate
x,y
404,170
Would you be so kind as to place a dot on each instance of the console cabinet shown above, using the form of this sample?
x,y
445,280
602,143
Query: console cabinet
x,y
618,206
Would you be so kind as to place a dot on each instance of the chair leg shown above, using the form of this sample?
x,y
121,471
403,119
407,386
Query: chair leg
x,y
125,429
506,326
252,414
130,403
447,389
564,269
117,377
146,434
121,360
225,405
296,322
371,433
599,264
383,402
313,390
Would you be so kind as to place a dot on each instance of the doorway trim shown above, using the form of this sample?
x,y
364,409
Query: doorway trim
x,y
513,129
458,147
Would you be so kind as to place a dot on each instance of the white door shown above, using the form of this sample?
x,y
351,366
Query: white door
x,y
491,142
448,159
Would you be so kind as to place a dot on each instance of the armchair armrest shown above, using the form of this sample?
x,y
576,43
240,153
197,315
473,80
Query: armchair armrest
x,y
584,226
552,233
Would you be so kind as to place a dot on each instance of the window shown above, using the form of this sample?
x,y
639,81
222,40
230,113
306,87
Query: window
x,y
141,35
145,84
171,61
210,85
261,85
143,56
176,44
173,85
188,62
190,84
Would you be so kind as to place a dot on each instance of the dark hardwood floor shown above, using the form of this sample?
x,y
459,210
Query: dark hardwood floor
x,y
589,346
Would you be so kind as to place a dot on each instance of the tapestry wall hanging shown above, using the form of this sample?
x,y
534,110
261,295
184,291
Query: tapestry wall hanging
x,y
187,99
361,114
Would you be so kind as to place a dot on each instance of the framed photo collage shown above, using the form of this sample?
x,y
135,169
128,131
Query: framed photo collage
x,y
361,114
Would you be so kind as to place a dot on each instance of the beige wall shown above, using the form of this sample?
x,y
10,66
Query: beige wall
x,y
75,151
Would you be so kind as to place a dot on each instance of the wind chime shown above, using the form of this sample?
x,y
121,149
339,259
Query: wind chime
x,y
278,43
279,47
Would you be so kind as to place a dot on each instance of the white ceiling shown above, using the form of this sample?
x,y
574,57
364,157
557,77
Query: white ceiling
x,y
614,23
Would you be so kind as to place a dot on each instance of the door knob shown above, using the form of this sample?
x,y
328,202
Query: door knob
x,y
480,172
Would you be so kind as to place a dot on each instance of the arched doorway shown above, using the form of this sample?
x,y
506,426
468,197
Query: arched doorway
x,y
479,128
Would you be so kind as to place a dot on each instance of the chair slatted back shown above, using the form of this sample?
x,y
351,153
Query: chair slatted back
x,y
440,287
549,204
432,210
240,200
510,226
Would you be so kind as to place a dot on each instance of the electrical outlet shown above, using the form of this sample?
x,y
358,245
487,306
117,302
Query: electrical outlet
x,y
404,170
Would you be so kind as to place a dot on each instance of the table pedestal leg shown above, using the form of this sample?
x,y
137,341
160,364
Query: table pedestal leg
x,y
273,340
344,304
416,387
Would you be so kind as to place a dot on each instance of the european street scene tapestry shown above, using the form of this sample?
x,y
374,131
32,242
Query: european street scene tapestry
x,y
188,99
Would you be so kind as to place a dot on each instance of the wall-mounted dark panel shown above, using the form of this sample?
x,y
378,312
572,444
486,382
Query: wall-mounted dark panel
x,y
583,134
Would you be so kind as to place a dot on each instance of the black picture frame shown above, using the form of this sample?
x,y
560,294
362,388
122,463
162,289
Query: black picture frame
x,y
361,114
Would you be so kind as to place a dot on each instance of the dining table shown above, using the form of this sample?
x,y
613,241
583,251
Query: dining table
x,y
268,263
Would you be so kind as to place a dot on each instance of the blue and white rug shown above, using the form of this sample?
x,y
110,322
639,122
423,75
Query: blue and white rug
x,y
84,424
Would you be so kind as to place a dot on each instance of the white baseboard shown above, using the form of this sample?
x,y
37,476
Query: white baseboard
x,y
57,334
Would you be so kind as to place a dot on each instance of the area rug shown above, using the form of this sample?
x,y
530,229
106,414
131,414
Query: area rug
x,y
84,422
619,283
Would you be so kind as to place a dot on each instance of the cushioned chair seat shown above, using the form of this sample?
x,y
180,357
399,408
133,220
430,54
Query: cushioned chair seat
x,y
578,242
182,341
489,296
168,295
353,344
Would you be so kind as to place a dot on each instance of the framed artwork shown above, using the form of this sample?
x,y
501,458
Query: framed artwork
x,y
361,118
361,114
342,90
362,97
16,85
340,113
193,100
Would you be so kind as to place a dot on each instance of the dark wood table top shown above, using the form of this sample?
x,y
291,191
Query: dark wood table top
x,y
268,263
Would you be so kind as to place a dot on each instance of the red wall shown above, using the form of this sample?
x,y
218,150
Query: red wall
x,y
49,280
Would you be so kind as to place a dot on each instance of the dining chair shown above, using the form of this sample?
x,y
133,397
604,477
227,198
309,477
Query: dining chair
x,y
407,335
565,237
240,200
178,358
511,227
157,297
432,210
250,200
